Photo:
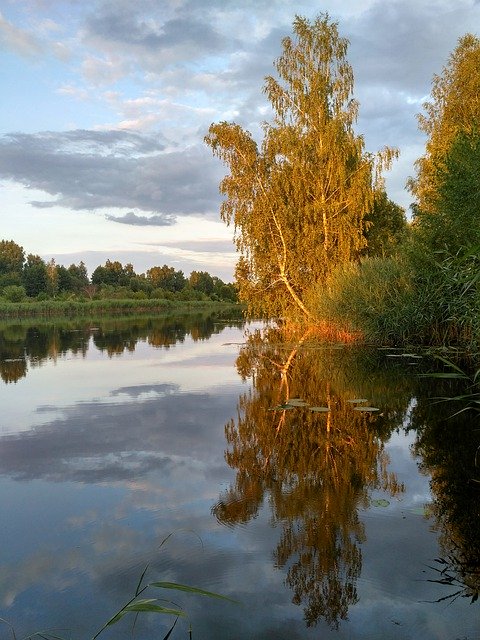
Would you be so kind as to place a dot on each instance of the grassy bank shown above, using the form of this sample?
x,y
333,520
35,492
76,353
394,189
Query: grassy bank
x,y
408,299
75,308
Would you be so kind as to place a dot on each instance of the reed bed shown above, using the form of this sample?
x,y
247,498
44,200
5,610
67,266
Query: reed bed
x,y
74,308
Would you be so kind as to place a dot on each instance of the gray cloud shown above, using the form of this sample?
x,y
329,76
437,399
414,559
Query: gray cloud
x,y
400,44
155,37
143,221
130,29
104,169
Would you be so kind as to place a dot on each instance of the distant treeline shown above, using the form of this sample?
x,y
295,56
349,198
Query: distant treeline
x,y
28,277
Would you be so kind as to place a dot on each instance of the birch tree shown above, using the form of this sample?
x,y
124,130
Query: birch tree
x,y
297,200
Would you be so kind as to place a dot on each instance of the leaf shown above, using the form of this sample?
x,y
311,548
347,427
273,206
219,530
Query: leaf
x,y
145,606
283,407
366,409
356,400
452,365
420,511
319,409
380,502
297,402
188,589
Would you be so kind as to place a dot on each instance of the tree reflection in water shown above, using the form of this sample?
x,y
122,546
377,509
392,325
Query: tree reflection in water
x,y
28,344
317,468
448,444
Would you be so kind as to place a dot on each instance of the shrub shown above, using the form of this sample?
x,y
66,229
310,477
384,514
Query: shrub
x,y
14,293
374,297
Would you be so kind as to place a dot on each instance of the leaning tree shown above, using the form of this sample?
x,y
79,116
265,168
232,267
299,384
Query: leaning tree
x,y
298,199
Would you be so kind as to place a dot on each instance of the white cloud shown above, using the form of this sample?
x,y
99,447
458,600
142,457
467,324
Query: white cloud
x,y
104,71
20,41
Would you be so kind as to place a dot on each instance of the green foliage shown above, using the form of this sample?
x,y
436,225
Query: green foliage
x,y
429,290
9,279
454,108
201,281
374,297
166,278
453,226
298,201
85,308
35,276
74,279
113,273
14,293
42,281
137,605
385,227
445,250
12,257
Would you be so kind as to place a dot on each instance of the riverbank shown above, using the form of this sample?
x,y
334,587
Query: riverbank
x,y
74,308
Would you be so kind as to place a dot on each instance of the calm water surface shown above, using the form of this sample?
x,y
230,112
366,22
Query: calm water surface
x,y
322,524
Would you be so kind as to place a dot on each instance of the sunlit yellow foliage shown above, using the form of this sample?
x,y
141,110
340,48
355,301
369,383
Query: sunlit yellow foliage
x,y
298,200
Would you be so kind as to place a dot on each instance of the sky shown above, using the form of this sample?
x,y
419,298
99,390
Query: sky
x,y
105,105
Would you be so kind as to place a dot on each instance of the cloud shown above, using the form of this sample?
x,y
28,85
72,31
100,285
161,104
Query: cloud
x,y
157,40
100,71
18,40
400,44
143,221
105,169
203,246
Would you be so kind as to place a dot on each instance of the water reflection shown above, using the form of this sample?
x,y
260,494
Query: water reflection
x,y
316,467
448,445
25,345
118,440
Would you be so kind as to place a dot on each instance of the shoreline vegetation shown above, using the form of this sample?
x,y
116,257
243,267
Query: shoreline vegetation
x,y
319,241
111,307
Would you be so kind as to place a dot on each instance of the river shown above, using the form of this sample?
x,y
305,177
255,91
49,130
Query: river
x,y
322,487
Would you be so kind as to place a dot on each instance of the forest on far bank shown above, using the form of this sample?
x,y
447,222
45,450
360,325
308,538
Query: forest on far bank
x,y
28,277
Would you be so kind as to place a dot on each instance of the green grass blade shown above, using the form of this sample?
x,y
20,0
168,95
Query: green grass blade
x,y
148,606
451,376
170,630
452,365
145,606
187,589
139,589
138,606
